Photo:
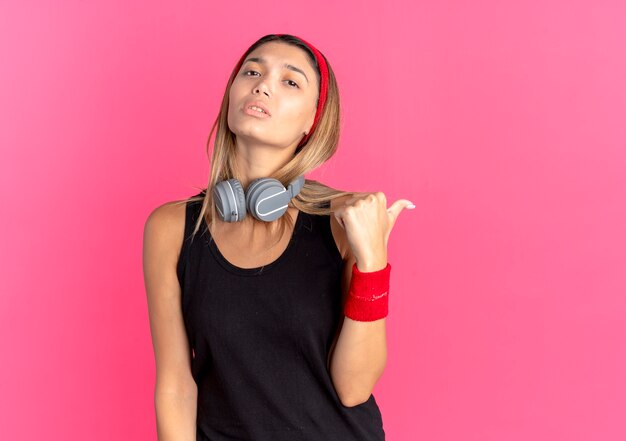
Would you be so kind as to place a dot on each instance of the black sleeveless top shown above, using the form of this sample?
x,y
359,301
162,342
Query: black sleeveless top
x,y
260,339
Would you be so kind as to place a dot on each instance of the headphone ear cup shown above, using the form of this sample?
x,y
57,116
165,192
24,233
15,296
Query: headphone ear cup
x,y
267,199
230,200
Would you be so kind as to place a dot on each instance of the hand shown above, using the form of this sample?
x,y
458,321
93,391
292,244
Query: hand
x,y
368,223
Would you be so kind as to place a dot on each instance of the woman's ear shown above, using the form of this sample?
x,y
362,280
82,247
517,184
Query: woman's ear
x,y
309,124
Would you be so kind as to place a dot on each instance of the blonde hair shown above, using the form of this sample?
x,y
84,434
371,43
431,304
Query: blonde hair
x,y
320,147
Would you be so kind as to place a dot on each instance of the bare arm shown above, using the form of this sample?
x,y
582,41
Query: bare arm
x,y
175,392
360,355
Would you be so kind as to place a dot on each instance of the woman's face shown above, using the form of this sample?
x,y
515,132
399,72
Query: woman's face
x,y
282,80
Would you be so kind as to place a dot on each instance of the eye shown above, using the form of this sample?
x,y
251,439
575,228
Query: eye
x,y
294,85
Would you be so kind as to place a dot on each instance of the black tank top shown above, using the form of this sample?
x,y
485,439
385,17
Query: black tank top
x,y
260,339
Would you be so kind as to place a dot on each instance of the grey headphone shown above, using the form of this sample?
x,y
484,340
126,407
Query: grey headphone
x,y
266,198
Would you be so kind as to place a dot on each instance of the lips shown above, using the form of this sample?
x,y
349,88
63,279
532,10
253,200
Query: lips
x,y
257,104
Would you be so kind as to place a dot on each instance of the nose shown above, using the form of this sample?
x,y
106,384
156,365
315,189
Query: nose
x,y
258,90
261,86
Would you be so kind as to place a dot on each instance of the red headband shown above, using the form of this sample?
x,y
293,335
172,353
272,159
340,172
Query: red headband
x,y
321,62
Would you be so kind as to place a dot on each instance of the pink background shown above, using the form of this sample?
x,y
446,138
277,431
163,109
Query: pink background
x,y
502,121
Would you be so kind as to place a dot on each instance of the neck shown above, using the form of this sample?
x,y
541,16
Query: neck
x,y
254,160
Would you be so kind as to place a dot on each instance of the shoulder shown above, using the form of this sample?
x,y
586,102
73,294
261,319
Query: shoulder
x,y
164,229
339,233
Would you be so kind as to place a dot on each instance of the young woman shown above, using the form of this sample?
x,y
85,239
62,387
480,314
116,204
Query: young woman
x,y
267,313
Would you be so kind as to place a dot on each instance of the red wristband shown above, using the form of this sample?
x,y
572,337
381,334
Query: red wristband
x,y
368,297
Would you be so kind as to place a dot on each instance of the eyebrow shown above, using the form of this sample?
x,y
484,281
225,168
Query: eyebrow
x,y
261,60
